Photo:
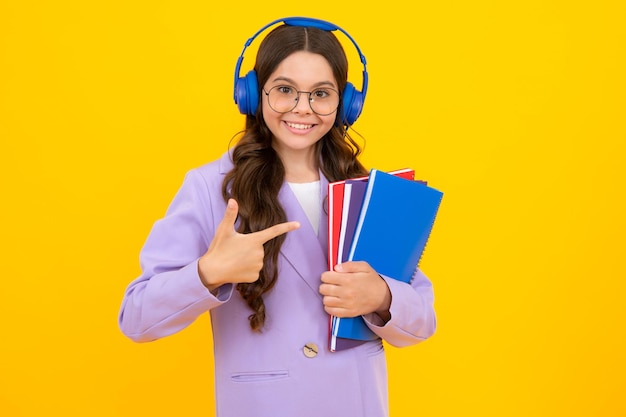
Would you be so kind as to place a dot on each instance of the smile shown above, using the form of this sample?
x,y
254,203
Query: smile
x,y
298,126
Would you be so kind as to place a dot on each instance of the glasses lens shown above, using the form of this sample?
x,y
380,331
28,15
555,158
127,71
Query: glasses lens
x,y
283,99
324,101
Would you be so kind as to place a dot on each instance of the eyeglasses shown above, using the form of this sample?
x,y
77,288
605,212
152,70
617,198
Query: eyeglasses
x,y
283,99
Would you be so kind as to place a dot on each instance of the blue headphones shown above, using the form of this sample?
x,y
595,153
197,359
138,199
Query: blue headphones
x,y
247,88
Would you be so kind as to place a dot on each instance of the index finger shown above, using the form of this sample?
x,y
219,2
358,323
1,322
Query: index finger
x,y
275,231
353,266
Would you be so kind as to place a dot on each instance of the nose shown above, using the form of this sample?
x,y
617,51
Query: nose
x,y
302,103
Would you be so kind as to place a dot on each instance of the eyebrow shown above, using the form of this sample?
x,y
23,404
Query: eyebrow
x,y
318,84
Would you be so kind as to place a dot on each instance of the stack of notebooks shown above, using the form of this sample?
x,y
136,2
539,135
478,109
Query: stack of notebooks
x,y
384,219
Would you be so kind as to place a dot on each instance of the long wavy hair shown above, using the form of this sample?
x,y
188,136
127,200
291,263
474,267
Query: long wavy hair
x,y
258,172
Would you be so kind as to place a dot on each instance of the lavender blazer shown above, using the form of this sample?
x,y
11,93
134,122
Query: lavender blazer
x,y
286,370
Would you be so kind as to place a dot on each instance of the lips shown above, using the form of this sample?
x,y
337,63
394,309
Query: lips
x,y
298,126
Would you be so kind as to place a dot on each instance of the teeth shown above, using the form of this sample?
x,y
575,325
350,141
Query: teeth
x,y
298,126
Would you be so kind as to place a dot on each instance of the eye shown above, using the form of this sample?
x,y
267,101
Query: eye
x,y
284,89
320,94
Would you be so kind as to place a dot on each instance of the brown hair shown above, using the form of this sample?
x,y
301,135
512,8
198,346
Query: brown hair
x,y
258,172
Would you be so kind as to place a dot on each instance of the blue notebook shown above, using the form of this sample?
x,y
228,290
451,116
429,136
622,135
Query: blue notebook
x,y
394,225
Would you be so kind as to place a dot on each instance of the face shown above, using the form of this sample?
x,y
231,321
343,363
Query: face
x,y
297,131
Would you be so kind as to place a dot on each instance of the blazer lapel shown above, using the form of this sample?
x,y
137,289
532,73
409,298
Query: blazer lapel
x,y
303,249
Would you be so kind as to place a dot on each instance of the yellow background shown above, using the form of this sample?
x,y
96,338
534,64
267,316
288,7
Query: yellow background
x,y
514,109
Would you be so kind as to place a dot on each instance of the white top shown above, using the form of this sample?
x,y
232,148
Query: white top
x,y
308,195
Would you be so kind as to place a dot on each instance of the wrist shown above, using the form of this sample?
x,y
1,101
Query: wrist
x,y
206,278
383,310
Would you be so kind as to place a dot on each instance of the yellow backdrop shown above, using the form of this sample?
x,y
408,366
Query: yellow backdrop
x,y
514,109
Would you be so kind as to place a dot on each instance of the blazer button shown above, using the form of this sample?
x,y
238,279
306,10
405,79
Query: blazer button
x,y
310,350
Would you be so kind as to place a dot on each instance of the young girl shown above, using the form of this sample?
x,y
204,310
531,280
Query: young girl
x,y
245,239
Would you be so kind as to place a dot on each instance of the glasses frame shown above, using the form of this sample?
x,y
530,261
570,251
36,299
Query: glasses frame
x,y
297,100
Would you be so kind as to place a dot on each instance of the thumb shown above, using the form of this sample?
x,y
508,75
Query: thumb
x,y
230,216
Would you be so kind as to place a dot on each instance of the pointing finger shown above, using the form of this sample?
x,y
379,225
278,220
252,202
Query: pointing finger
x,y
276,230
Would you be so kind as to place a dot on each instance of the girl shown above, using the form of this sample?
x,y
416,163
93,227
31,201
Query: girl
x,y
245,239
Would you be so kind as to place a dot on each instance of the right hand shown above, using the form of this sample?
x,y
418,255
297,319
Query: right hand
x,y
233,257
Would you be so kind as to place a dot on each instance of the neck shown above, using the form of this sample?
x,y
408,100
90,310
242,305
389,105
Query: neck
x,y
300,166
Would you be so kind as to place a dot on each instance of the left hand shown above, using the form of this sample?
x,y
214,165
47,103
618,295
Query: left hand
x,y
354,289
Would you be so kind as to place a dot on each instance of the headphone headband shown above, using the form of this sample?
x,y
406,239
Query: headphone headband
x,y
244,92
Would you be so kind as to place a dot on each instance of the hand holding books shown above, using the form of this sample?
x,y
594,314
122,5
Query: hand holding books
x,y
353,289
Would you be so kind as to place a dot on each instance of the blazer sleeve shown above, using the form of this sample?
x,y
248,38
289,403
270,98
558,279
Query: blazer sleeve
x,y
168,295
412,312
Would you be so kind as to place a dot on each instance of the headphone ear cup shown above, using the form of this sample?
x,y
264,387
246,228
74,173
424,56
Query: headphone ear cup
x,y
352,104
247,93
